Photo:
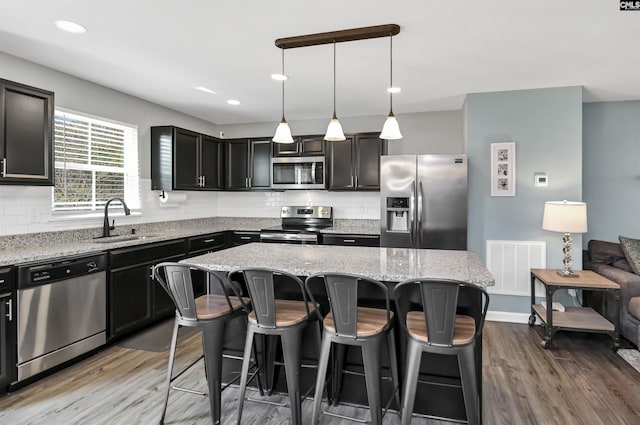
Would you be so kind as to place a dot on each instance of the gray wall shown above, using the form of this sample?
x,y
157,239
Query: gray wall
x,y
546,125
84,96
427,132
611,171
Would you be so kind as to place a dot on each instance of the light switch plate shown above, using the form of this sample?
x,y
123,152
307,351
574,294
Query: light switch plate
x,y
541,180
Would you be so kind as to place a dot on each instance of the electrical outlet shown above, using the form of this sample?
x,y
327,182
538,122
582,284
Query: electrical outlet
x,y
572,292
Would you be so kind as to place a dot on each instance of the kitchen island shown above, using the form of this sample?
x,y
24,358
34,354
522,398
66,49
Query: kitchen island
x,y
440,395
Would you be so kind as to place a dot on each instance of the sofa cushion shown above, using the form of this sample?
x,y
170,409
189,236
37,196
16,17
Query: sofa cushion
x,y
631,249
604,252
622,264
634,307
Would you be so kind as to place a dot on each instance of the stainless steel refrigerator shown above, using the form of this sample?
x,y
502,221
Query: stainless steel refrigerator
x,y
423,200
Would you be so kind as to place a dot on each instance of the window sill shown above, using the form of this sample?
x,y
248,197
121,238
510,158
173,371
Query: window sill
x,y
60,216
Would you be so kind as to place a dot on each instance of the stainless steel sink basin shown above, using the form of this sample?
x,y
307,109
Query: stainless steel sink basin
x,y
122,238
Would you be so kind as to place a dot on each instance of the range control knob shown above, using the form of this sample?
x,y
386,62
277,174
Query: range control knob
x,y
91,266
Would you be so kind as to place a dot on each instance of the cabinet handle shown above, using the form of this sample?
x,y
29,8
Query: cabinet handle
x,y
10,305
349,240
246,182
356,182
209,240
245,238
151,272
4,167
204,181
249,183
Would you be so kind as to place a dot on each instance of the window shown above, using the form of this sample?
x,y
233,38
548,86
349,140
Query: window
x,y
95,160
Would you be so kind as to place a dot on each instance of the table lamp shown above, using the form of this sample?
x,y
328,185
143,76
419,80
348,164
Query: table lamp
x,y
566,217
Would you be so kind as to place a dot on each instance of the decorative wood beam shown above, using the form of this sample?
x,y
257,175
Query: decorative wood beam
x,y
352,34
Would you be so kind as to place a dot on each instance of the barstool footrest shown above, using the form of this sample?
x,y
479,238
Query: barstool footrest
x,y
187,390
271,403
349,418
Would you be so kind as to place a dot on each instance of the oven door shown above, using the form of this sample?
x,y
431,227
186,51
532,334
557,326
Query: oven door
x,y
298,173
294,238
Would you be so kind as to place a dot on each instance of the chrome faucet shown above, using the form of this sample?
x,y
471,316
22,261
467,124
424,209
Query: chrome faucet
x,y
106,228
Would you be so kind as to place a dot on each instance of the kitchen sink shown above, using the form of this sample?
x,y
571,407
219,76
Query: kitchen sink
x,y
122,238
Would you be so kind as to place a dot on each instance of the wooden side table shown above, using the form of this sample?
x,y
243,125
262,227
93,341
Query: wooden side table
x,y
583,319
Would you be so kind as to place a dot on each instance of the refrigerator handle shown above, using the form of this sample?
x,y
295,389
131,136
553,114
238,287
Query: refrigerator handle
x,y
419,224
412,212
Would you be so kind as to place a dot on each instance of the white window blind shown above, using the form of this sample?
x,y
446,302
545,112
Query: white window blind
x,y
95,160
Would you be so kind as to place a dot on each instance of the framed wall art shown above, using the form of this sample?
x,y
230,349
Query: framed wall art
x,y
503,169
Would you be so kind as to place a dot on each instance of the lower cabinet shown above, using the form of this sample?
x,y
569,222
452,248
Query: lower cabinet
x,y
135,298
350,240
8,319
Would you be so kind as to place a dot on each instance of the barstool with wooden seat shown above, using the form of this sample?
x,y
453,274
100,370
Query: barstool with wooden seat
x,y
209,313
349,323
438,328
283,318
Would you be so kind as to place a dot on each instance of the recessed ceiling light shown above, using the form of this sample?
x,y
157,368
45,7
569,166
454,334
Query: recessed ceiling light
x,y
69,26
233,102
279,77
204,89
394,90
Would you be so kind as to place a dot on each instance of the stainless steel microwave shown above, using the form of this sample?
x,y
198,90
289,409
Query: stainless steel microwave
x,y
300,172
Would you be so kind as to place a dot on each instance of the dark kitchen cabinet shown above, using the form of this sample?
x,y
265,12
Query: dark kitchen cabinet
x,y
185,160
135,298
303,146
350,240
248,164
241,237
8,318
354,164
26,135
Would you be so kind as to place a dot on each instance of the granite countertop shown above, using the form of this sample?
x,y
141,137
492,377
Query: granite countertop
x,y
27,248
384,264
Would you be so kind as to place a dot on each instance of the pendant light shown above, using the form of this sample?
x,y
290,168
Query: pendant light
x,y
391,129
283,132
334,129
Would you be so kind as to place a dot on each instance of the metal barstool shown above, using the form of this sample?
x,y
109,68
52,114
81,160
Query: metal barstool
x,y
209,313
349,323
275,317
438,328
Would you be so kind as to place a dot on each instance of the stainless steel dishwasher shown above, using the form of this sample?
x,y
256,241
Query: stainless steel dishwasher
x,y
62,307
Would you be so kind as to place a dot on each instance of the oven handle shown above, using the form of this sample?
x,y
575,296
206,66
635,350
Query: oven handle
x,y
288,237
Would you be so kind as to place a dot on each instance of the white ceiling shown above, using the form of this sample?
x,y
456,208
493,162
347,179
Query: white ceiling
x,y
159,50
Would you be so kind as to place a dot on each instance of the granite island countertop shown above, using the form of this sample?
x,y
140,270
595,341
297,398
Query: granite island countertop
x,y
384,264
27,248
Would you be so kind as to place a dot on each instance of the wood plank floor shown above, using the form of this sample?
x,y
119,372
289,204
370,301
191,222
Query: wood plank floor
x,y
579,381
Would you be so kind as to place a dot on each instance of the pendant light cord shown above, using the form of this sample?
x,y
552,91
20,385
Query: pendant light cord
x,y
334,79
391,74
283,84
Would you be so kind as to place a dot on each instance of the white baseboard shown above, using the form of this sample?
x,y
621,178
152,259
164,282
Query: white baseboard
x,y
505,316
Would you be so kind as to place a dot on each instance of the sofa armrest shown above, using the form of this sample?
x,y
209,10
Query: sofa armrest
x,y
629,282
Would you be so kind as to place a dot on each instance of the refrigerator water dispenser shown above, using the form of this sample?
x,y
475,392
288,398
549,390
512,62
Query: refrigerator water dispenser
x,y
398,214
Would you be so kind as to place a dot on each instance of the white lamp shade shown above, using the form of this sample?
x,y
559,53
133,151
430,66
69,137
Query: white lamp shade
x,y
391,129
334,131
565,217
283,133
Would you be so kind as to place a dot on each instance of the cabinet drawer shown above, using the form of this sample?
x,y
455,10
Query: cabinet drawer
x,y
351,240
149,253
211,241
240,238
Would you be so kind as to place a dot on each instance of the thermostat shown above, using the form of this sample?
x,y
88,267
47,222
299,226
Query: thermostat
x,y
541,180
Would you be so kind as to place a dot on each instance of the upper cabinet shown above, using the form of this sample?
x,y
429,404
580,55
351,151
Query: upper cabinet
x,y
302,146
185,160
26,135
354,164
248,164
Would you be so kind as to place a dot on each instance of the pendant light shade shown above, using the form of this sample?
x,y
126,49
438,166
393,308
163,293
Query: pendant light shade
x,y
334,129
391,128
283,132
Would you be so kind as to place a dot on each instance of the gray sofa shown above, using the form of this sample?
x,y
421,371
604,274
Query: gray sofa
x,y
608,259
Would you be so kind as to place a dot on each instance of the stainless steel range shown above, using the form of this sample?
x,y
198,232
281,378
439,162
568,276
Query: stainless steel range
x,y
300,225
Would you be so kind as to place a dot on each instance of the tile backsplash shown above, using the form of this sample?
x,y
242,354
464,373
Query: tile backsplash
x,y
27,209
